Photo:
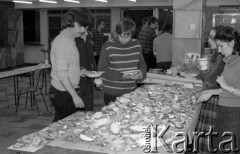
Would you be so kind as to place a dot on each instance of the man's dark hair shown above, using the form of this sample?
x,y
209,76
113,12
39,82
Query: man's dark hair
x,y
144,20
76,15
99,21
152,20
125,25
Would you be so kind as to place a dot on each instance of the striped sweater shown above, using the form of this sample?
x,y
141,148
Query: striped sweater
x,y
116,58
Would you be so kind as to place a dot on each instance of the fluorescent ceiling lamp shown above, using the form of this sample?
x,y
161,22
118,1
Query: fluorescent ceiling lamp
x,y
73,1
133,0
102,1
25,2
48,1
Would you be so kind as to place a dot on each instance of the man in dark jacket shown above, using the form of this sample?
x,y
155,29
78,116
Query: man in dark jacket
x,y
87,61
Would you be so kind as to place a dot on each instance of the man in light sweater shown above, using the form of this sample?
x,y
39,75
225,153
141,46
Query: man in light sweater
x,y
65,73
162,48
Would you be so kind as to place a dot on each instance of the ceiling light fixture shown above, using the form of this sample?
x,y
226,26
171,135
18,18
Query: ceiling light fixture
x,y
132,0
25,2
102,1
48,1
73,1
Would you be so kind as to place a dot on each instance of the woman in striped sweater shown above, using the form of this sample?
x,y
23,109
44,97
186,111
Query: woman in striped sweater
x,y
118,55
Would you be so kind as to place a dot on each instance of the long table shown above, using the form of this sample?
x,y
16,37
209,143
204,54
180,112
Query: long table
x,y
19,71
59,145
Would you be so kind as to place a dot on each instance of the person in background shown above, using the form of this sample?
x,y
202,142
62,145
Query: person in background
x,y
65,72
144,23
87,61
160,30
228,113
208,112
98,38
162,48
146,37
118,55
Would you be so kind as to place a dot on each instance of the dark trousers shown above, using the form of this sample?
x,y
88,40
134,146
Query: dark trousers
x,y
228,120
109,98
86,93
150,60
97,59
62,102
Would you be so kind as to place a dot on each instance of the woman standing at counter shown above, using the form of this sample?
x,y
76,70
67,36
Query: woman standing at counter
x,y
118,55
228,115
208,111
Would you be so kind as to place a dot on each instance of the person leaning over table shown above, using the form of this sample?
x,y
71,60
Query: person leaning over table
x,y
228,114
65,73
118,55
208,111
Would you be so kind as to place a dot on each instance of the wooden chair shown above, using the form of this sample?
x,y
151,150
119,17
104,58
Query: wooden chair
x,y
34,89
4,90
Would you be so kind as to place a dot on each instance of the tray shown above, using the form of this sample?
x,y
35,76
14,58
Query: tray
x,y
89,146
129,72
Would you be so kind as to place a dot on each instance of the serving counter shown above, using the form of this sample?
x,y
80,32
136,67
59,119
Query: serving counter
x,y
120,127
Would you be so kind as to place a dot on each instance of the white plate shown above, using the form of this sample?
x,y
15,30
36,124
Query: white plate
x,y
95,74
101,72
131,71
188,75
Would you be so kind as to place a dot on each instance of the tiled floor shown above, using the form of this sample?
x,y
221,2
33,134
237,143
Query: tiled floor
x,y
13,126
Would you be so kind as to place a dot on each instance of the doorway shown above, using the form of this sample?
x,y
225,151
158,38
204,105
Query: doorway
x,y
137,16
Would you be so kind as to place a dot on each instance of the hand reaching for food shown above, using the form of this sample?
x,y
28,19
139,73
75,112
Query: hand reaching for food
x,y
84,72
204,96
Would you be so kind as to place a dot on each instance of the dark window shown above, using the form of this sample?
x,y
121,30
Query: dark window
x,y
54,12
3,29
137,16
31,24
55,19
103,11
54,26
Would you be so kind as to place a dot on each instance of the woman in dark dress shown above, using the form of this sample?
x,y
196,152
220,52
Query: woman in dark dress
x,y
208,111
